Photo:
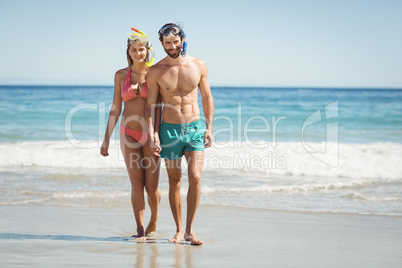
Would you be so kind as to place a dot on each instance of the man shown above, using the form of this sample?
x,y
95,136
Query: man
x,y
177,78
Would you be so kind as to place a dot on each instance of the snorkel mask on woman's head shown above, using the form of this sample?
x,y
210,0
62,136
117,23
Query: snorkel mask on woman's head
x,y
144,39
175,30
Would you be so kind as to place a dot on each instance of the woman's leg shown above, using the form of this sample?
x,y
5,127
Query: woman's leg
x,y
132,153
151,166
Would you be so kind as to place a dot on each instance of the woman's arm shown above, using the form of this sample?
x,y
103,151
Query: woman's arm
x,y
114,114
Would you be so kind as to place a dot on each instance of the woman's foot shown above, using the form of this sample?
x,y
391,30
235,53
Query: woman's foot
x,y
140,238
151,228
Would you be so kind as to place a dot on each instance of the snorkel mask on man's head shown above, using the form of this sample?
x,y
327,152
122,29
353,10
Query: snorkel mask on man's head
x,y
175,30
144,39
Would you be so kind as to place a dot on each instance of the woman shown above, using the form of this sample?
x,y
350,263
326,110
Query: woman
x,y
142,165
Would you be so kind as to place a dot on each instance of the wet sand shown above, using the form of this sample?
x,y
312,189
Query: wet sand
x,y
39,236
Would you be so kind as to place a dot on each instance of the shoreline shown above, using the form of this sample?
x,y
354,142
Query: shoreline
x,y
47,236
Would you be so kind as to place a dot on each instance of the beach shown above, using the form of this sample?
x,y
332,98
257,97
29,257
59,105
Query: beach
x,y
295,178
303,168
235,237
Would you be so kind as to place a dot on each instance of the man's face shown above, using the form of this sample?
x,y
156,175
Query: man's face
x,y
172,45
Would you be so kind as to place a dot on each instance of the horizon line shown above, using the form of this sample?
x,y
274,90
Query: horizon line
x,y
283,87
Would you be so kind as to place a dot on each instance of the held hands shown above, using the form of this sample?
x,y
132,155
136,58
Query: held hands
x,y
104,148
208,139
155,145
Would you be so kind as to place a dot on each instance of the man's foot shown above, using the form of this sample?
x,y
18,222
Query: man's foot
x,y
178,238
192,238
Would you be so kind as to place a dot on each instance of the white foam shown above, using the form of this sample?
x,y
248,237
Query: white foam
x,y
57,154
376,198
284,188
374,160
71,198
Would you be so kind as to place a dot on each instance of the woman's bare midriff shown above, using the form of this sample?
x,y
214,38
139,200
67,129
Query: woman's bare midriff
x,y
133,114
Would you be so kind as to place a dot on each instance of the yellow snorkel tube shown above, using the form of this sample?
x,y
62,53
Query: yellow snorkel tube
x,y
151,61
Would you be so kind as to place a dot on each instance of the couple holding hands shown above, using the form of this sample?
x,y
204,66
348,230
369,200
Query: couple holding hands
x,y
148,132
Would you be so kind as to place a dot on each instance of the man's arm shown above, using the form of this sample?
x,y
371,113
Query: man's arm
x,y
207,103
157,121
151,109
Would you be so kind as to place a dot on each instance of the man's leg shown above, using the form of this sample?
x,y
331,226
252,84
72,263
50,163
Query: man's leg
x,y
195,160
173,168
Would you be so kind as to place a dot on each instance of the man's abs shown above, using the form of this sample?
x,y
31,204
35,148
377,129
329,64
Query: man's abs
x,y
180,114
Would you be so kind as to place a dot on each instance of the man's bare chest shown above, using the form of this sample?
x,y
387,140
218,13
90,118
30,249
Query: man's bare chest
x,y
180,78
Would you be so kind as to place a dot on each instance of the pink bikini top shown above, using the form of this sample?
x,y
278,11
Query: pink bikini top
x,y
127,91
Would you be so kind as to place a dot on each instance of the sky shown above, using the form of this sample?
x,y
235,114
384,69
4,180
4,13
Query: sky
x,y
258,43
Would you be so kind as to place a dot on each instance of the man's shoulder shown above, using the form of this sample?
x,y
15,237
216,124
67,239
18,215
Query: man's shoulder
x,y
156,70
197,61
200,64
192,59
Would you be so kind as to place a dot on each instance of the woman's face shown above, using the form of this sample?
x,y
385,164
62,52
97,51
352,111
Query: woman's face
x,y
138,52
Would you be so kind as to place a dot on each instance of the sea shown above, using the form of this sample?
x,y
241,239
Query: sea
x,y
319,150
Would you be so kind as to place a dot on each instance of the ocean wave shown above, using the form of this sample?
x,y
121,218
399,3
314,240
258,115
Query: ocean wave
x,y
103,195
317,187
87,198
375,198
362,197
356,161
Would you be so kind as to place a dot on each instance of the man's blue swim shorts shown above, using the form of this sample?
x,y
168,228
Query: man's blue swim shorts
x,y
179,138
